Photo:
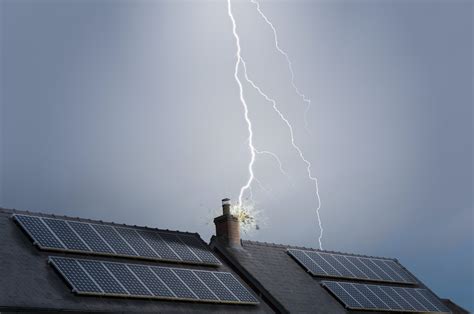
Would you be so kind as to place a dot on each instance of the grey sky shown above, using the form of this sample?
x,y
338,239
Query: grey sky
x,y
127,111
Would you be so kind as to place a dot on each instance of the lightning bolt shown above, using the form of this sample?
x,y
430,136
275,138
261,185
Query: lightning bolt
x,y
288,61
295,146
253,151
239,60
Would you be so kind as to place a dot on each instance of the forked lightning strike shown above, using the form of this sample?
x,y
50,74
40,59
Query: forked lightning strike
x,y
253,151
244,104
288,61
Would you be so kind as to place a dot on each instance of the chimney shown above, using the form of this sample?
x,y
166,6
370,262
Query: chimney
x,y
227,226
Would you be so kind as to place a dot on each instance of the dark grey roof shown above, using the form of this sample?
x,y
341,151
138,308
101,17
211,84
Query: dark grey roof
x,y
455,309
27,282
280,278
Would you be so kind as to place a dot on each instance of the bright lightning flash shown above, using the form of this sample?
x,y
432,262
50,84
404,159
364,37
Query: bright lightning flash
x,y
288,61
245,214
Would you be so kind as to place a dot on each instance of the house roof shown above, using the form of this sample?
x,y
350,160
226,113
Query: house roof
x,y
278,276
29,283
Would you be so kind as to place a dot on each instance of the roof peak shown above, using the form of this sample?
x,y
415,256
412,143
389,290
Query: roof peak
x,y
288,246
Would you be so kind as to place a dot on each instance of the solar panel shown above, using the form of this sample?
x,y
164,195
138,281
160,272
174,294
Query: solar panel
x,y
102,239
94,277
357,296
349,266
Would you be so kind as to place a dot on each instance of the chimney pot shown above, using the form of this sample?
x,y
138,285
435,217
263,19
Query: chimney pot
x,y
226,206
227,226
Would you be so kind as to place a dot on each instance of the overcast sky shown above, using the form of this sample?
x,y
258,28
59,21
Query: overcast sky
x,y
127,111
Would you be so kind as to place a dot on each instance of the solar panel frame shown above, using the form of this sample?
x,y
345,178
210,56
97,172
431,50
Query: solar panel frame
x,y
383,297
337,265
113,281
110,240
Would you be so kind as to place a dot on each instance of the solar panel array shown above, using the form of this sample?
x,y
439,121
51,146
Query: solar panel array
x,y
93,277
101,239
384,298
349,266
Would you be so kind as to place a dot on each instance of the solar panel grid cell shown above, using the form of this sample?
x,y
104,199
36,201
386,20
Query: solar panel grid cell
x,y
136,242
388,270
376,301
216,286
357,273
433,300
102,277
109,234
195,284
236,287
159,245
363,267
179,247
127,279
400,271
397,298
173,282
93,240
380,273
321,262
154,284
66,234
357,295
426,303
330,259
410,299
195,245
342,294
39,231
384,297
307,262
76,277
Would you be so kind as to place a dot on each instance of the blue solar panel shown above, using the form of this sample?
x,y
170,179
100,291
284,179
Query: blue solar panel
x,y
154,284
195,245
128,280
174,283
102,277
195,284
76,276
93,240
38,231
349,266
159,245
432,299
179,247
66,234
319,260
383,298
342,294
216,286
103,239
307,262
144,281
236,287
109,234
355,272
136,241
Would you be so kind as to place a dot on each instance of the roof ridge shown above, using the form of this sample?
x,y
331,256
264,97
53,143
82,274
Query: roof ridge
x,y
288,246
27,212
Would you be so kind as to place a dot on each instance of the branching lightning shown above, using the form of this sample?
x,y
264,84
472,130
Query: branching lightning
x,y
253,151
288,61
244,104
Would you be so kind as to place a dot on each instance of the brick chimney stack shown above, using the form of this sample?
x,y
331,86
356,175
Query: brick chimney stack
x,y
227,226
